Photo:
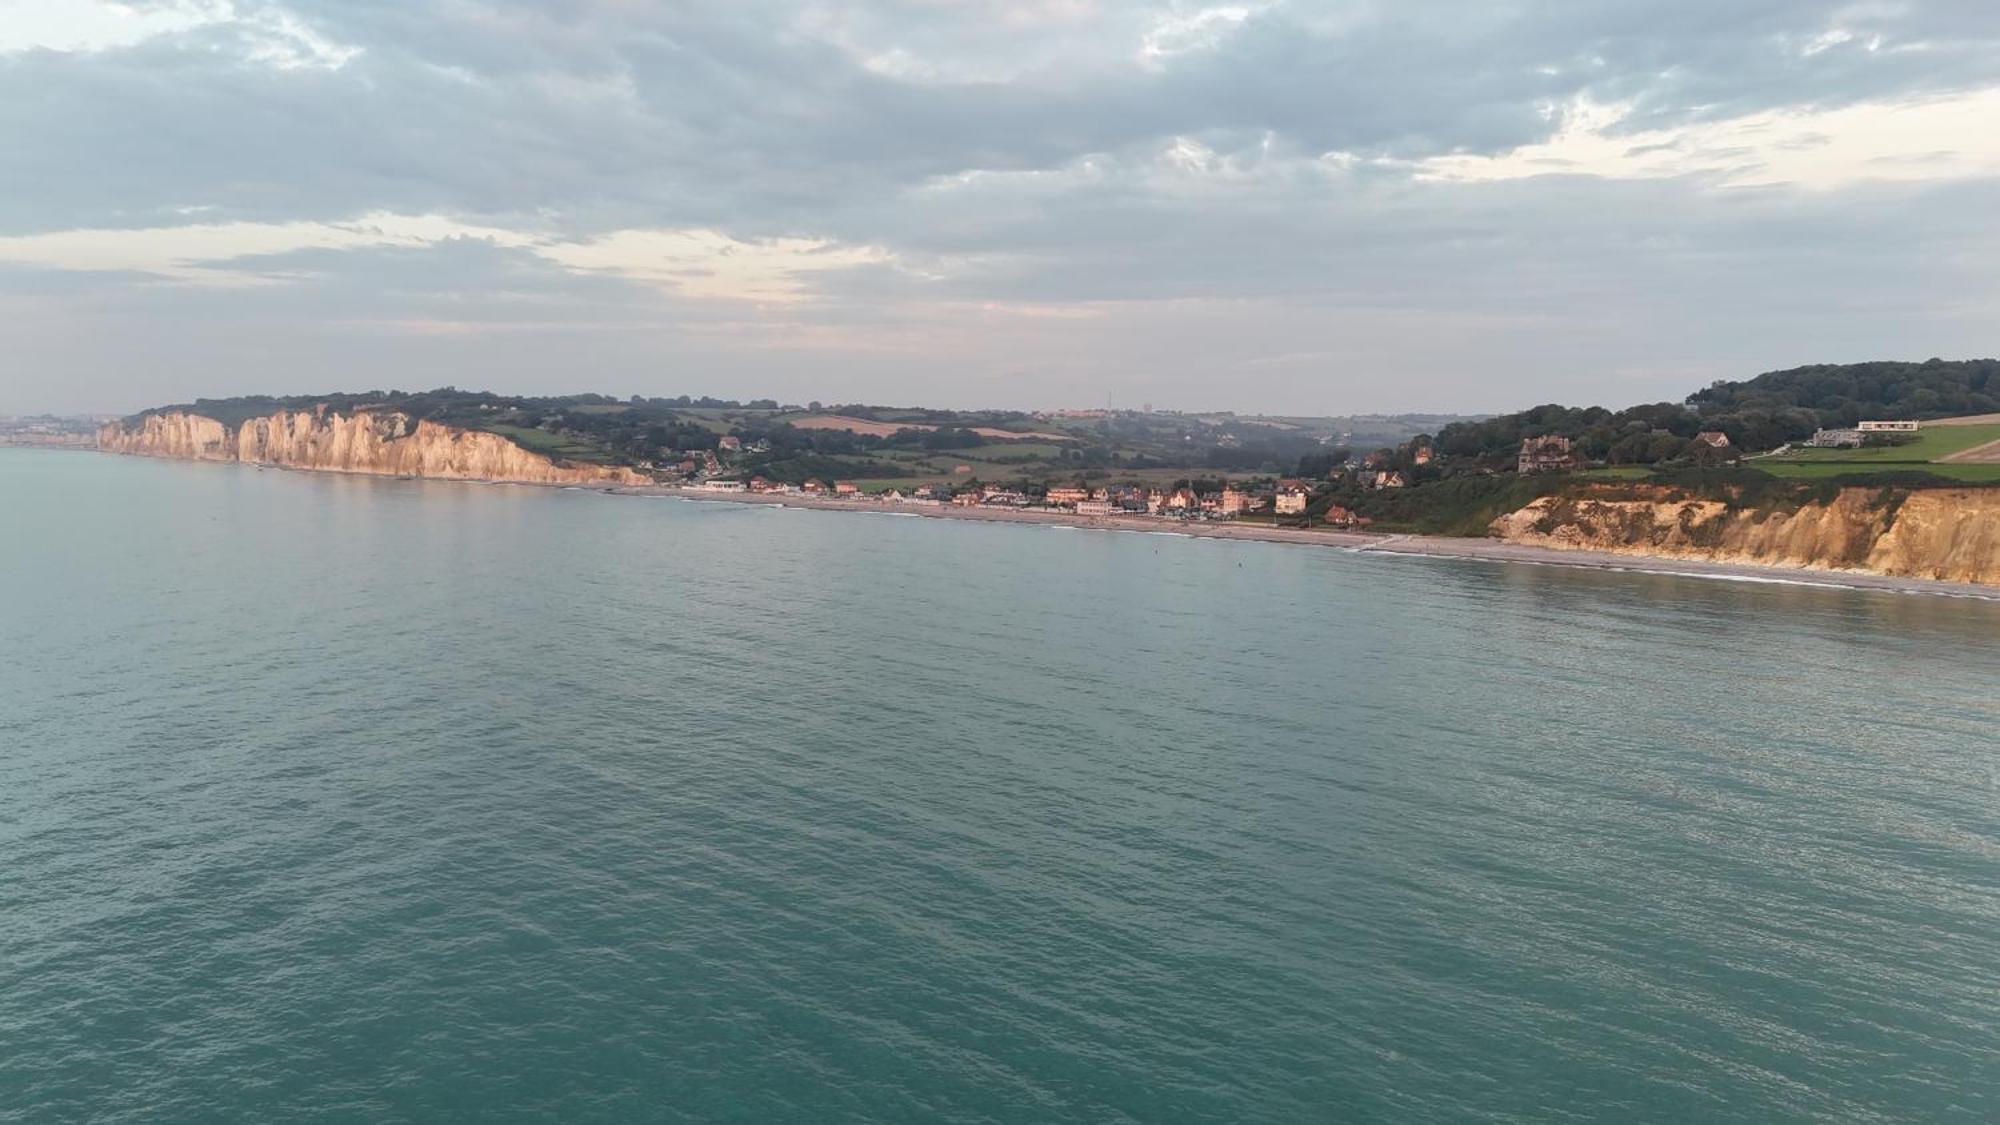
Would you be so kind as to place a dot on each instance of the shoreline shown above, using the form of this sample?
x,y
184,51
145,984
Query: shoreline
x,y
1356,542
1366,542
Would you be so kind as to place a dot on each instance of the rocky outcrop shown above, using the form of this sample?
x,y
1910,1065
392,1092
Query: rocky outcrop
x,y
1943,533
383,443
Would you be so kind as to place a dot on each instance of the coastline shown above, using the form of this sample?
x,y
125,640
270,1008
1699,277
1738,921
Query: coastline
x,y
1358,542
1366,542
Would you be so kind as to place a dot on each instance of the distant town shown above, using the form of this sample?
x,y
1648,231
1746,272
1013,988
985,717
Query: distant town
x,y
50,430
1290,500
1289,497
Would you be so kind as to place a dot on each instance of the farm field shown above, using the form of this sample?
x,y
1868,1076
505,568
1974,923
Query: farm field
x,y
1935,441
885,429
561,446
938,470
1984,453
717,421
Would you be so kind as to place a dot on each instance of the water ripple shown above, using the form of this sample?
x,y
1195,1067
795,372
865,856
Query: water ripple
x,y
337,799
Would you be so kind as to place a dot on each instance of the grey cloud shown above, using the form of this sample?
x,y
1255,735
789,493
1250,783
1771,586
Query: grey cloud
x,y
29,280
1552,245
763,118
467,281
1454,301
590,115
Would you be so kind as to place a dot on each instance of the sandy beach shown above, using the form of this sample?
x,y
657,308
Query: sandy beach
x,y
1428,546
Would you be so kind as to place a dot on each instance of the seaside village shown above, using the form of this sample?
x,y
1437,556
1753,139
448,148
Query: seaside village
x,y
1284,499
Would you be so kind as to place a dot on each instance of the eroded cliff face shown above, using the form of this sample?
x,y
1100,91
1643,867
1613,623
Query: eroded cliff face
x,y
1944,533
383,443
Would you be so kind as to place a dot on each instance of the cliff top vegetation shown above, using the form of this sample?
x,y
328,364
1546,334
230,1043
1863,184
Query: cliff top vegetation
x,y
859,441
1757,414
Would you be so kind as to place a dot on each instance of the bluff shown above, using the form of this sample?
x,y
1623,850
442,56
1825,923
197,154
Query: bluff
x,y
386,443
1943,533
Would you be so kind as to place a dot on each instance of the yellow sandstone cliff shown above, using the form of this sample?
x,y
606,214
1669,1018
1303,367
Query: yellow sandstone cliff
x,y
383,443
1944,533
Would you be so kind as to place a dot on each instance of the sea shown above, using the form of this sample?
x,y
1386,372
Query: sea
x,y
338,799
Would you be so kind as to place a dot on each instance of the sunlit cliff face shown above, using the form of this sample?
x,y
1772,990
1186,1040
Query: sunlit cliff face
x,y
1948,533
386,444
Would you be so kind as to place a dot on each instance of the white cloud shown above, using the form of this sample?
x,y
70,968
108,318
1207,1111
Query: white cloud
x,y
199,254
271,36
1916,140
281,40
690,263
94,25
706,263
1179,33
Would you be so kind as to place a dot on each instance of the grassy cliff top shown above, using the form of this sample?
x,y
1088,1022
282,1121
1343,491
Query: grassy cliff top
x,y
592,428
863,441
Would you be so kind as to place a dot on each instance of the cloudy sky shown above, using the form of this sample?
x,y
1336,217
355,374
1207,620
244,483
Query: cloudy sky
x,y
1282,205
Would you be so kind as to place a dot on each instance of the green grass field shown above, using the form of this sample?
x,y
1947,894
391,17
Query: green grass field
x,y
933,465
1005,450
713,420
992,452
551,445
1932,443
1814,470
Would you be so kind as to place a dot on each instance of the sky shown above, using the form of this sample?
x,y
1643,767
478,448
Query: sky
x,y
1340,206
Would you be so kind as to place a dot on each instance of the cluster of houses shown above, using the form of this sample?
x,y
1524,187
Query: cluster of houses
x,y
1554,453
1373,471
1286,498
79,432
1289,497
699,463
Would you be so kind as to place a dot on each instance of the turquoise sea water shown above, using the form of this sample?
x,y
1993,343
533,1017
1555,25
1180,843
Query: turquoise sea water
x,y
335,799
